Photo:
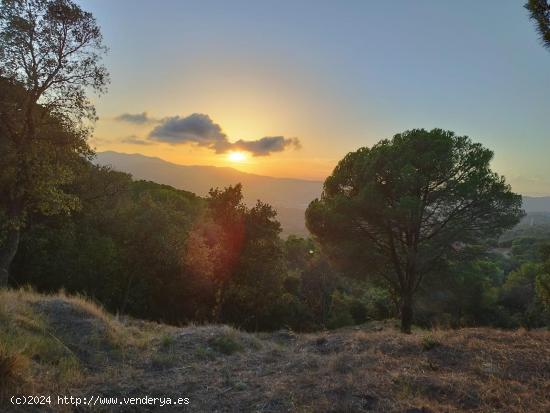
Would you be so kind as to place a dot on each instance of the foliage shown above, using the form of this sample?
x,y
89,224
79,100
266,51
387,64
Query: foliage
x,y
159,253
415,220
251,295
155,252
398,209
226,344
50,57
54,49
539,11
429,342
542,286
340,314
124,247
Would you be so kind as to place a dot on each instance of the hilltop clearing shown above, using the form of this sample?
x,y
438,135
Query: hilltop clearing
x,y
65,345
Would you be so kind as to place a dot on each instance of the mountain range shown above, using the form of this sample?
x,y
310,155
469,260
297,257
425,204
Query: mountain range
x,y
289,196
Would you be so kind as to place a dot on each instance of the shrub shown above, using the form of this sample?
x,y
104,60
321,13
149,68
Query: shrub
x,y
226,344
163,360
429,342
339,311
166,341
204,353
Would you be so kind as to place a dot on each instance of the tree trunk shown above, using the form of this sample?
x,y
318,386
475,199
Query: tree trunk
x,y
406,313
7,254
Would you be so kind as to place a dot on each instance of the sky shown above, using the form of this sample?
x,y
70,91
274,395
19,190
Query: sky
x,y
287,88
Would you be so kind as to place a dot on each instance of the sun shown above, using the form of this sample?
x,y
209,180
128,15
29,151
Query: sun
x,y
236,156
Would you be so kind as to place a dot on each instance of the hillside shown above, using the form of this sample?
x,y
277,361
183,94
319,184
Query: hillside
x,y
536,204
65,345
533,225
290,196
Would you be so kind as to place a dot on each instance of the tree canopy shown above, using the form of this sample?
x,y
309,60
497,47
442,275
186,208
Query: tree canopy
x,y
539,11
50,55
396,210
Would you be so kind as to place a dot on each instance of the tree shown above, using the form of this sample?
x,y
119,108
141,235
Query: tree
x,y
251,297
539,11
542,286
465,293
398,209
50,55
519,295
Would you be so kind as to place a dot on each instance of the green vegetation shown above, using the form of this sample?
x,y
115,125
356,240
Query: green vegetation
x,y
429,342
408,228
50,58
163,254
401,209
226,343
539,11
416,228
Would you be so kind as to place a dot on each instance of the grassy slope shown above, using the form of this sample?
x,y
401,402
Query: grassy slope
x,y
66,345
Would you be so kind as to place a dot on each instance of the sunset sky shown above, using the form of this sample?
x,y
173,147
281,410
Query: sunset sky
x,y
288,88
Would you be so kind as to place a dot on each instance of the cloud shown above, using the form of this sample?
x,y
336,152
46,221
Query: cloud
x,y
136,140
136,118
267,145
202,131
196,128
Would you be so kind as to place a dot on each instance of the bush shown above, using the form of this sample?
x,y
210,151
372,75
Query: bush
x,y
166,341
358,311
380,306
226,344
429,342
340,315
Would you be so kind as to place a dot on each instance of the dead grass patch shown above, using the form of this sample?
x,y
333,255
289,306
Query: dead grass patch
x,y
372,368
13,372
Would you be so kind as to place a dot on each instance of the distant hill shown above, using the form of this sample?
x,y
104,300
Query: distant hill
x,y
536,204
289,196
533,225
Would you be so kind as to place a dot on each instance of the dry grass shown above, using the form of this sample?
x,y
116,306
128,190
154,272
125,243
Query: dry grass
x,y
13,372
65,343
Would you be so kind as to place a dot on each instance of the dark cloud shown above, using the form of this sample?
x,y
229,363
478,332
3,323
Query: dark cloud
x,y
266,145
202,131
136,140
199,129
196,128
137,118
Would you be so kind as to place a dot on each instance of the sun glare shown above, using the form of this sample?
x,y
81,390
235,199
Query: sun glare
x,y
236,156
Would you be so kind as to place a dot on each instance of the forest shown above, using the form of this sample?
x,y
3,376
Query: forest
x,y
420,281
158,253
155,252
416,227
